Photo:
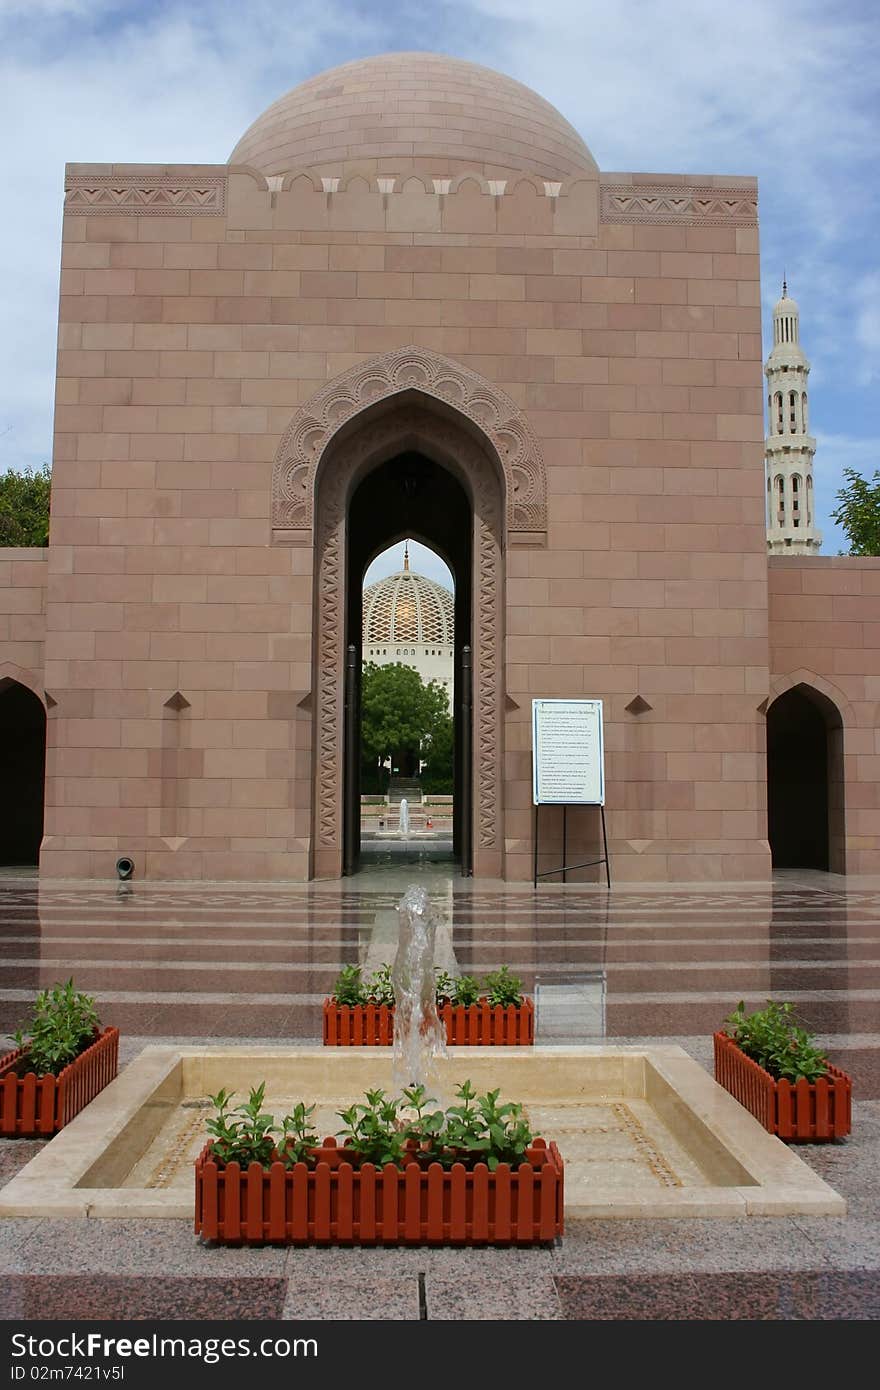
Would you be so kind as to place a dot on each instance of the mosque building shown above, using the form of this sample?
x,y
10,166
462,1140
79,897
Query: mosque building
x,y
410,305
410,619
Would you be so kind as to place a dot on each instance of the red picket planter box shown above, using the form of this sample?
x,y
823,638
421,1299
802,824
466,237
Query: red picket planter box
x,y
477,1025
336,1203
37,1106
805,1111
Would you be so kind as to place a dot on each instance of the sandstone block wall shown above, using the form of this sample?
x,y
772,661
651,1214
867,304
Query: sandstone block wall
x,y
825,633
23,576
201,308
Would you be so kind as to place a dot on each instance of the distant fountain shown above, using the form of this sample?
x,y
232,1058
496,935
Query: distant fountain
x,y
419,1036
403,823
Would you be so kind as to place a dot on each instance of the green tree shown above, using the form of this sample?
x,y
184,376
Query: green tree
x,y
399,712
858,512
24,506
438,773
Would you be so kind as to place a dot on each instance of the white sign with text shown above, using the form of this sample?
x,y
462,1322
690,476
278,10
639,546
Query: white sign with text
x,y
568,755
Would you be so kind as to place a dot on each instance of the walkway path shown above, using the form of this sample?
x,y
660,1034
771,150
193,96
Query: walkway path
x,y
254,962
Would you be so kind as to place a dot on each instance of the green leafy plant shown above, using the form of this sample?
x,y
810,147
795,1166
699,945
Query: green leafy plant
x,y
773,1038
24,506
425,1126
500,987
374,1129
63,1024
380,990
298,1139
444,986
349,986
463,1133
242,1134
380,1129
480,1129
858,512
507,1129
503,988
465,990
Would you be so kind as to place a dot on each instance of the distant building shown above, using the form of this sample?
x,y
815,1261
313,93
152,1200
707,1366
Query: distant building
x,y
411,619
789,447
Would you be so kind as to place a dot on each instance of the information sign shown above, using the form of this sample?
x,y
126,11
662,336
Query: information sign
x,y
568,758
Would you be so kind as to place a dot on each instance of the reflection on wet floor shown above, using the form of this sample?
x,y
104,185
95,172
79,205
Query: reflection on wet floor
x,y
220,960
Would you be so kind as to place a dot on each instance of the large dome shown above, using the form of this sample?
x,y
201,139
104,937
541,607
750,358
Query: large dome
x,y
407,607
403,111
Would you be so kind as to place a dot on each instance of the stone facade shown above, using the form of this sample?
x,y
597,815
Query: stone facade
x,y
238,347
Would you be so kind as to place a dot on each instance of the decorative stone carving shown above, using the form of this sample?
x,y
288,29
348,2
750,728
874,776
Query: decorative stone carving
x,y
464,457
416,370
146,194
696,206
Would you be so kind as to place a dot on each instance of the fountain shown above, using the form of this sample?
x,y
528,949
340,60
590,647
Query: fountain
x,y
403,822
419,1036
681,1145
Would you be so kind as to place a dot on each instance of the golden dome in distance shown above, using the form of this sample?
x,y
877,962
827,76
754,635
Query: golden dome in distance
x,y
413,111
407,607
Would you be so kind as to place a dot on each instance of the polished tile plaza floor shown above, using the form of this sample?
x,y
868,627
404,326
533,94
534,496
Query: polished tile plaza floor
x,y
216,962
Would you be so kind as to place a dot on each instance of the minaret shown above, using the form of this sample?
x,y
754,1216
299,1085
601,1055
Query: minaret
x,y
788,448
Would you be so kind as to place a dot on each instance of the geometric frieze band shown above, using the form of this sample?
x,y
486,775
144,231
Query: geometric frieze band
x,y
148,194
698,206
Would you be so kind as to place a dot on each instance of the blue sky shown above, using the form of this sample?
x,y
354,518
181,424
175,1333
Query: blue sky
x,y
786,91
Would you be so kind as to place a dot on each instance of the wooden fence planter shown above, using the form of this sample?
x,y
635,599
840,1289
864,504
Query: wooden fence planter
x,y
477,1025
336,1203
37,1106
802,1111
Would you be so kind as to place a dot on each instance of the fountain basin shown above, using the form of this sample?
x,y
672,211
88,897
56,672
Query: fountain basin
x,y
643,1131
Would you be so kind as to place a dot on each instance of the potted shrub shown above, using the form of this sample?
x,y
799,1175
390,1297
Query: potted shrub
x,y
61,1061
494,1013
774,1068
406,1173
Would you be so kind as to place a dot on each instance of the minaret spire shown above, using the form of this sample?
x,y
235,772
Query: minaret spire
x,y
406,556
788,448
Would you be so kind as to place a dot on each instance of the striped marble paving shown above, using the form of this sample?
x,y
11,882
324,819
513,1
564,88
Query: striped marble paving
x,y
215,960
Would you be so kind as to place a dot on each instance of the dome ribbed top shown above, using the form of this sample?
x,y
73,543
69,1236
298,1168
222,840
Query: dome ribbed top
x,y
407,607
403,111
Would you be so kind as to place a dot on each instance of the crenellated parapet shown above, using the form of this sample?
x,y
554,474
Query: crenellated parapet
x,y
421,202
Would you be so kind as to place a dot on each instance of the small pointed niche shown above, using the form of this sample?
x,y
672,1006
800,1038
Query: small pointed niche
x,y
51,702
177,702
637,705
762,707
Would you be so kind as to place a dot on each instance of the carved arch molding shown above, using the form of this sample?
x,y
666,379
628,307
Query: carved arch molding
x,y
452,446
410,369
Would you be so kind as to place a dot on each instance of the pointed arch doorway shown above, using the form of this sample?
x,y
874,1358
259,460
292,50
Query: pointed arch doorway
x,y
805,781
410,466
412,495
22,773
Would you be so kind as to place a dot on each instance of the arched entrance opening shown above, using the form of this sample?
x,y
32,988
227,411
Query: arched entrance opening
x,y
409,466
805,784
413,495
22,773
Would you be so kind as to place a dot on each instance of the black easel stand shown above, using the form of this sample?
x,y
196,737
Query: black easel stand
x,y
564,868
